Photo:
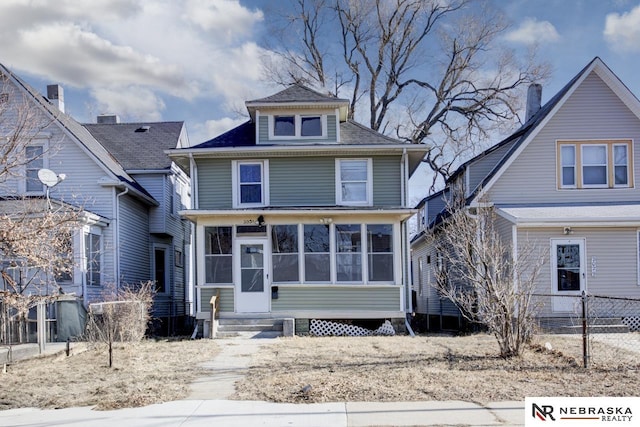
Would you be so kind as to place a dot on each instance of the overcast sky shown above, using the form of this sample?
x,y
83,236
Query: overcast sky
x,y
198,60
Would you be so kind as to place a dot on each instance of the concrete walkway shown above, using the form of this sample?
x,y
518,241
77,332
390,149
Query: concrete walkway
x,y
206,406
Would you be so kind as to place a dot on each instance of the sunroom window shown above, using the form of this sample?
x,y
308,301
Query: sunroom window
x,y
218,256
380,252
284,250
348,252
317,253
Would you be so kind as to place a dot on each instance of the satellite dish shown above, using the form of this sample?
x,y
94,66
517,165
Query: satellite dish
x,y
48,177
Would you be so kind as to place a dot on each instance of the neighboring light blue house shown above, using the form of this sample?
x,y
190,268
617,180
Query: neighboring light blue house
x,y
567,180
129,189
301,213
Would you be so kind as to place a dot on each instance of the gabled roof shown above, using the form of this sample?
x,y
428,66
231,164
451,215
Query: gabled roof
x,y
523,136
139,146
82,136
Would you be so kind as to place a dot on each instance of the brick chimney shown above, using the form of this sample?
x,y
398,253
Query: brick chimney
x,y
534,100
55,95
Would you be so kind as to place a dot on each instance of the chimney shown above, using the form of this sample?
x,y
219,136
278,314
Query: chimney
x,y
534,100
108,119
55,95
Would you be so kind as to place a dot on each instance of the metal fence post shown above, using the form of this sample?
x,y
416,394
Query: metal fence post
x,y
585,341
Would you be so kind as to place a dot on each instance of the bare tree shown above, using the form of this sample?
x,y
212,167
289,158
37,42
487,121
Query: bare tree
x,y
429,71
123,316
36,251
478,271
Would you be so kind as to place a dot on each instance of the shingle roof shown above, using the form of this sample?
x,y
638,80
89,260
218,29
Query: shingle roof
x,y
351,133
139,146
297,93
81,134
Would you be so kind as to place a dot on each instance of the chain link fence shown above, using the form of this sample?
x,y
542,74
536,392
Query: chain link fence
x,y
595,330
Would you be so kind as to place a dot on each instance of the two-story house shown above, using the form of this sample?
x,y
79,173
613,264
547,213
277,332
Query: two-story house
x,y
566,181
301,213
129,190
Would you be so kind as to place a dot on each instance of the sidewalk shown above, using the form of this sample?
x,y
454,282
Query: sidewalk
x,y
208,405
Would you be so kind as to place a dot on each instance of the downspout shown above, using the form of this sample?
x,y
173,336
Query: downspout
x,y
193,267
117,235
407,283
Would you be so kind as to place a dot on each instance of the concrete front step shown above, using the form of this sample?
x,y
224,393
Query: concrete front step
x,y
259,327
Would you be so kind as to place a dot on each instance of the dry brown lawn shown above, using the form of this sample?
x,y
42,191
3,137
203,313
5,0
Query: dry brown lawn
x,y
434,368
336,369
142,374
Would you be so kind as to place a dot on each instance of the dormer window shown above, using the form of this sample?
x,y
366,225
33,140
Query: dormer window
x,y
298,126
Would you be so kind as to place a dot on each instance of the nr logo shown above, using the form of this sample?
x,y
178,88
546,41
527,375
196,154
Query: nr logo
x,y
543,412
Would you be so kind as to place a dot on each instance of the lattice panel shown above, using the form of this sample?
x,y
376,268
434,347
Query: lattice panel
x,y
633,322
326,328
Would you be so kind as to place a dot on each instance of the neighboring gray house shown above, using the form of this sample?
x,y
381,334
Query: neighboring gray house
x,y
130,190
301,213
566,180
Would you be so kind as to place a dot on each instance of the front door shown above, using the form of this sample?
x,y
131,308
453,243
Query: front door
x,y
252,289
568,271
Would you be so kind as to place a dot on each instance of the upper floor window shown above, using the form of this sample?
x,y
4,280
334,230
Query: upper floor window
x,y
250,186
34,162
298,126
594,164
354,182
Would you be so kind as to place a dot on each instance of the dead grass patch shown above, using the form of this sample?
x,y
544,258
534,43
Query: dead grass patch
x,y
142,374
430,368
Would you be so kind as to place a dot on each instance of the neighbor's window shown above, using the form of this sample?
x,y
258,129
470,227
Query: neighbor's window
x,y
284,250
353,182
92,249
380,252
317,253
594,164
35,162
250,183
348,253
218,255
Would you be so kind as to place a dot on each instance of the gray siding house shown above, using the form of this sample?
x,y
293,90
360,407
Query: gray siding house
x,y
127,186
566,180
301,213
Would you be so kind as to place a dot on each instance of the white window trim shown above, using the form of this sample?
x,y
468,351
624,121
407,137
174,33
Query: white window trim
x,y
235,183
369,190
606,165
96,231
45,165
297,126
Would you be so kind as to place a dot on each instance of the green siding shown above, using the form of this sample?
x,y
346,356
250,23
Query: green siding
x,y
386,181
226,299
214,184
263,129
302,181
337,298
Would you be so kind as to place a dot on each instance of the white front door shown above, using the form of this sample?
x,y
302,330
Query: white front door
x,y
568,273
252,289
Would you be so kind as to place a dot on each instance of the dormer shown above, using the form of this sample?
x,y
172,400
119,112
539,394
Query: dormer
x,y
298,115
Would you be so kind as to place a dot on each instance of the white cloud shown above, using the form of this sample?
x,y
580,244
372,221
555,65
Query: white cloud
x,y
224,18
622,32
532,31
131,104
192,50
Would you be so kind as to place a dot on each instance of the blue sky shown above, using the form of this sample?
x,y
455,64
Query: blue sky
x,y
197,60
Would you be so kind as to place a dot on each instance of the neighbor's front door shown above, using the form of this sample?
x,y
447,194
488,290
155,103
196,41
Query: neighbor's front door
x,y
568,273
252,289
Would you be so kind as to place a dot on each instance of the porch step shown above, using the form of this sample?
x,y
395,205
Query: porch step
x,y
255,328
